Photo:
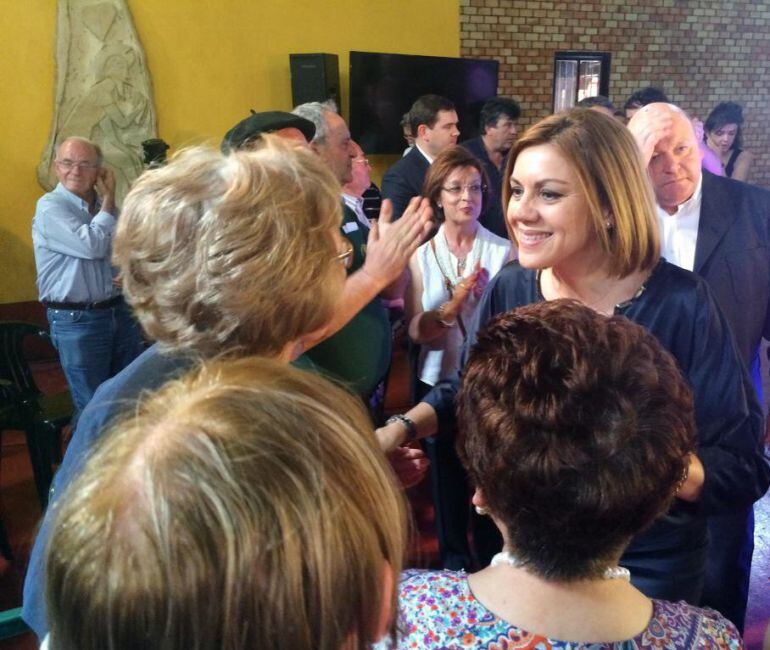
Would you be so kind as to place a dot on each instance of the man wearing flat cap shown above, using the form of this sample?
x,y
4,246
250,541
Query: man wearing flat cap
x,y
355,347
285,125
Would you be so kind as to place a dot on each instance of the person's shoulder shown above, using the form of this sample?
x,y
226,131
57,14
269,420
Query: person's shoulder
x,y
672,279
514,273
422,579
735,190
51,201
150,370
424,592
495,240
683,619
405,162
474,145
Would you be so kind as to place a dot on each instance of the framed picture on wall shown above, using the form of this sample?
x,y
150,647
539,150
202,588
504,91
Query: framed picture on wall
x,y
577,75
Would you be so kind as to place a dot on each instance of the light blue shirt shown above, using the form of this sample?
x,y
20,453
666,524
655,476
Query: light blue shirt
x,y
72,249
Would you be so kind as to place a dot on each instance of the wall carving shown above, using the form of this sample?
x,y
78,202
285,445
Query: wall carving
x,y
103,89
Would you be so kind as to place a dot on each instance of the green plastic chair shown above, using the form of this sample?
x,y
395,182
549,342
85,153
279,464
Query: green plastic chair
x,y
25,407
11,624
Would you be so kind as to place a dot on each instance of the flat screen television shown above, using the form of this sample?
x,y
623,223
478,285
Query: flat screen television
x,y
384,86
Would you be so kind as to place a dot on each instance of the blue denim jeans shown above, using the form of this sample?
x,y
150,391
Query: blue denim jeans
x,y
93,345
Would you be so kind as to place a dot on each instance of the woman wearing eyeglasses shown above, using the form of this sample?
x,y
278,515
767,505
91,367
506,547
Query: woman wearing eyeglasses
x,y
447,275
449,272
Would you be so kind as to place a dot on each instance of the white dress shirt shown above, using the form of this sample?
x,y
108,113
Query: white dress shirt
x,y
356,203
425,155
679,231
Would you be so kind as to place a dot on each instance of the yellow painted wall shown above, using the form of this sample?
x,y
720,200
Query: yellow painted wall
x,y
210,62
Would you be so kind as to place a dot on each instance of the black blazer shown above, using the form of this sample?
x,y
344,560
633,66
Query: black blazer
x,y
404,180
732,253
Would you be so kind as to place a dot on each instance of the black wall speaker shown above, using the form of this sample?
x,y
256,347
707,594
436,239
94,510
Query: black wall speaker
x,y
314,78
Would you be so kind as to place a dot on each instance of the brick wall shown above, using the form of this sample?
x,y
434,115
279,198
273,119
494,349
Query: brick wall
x,y
699,52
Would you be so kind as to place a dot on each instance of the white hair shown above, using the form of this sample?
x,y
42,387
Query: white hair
x,y
316,113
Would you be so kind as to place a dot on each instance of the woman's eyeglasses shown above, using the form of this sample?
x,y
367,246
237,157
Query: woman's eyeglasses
x,y
346,257
457,190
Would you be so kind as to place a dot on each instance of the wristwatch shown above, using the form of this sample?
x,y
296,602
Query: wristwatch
x,y
411,428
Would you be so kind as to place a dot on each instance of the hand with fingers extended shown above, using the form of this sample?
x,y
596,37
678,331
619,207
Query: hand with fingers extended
x,y
391,243
474,284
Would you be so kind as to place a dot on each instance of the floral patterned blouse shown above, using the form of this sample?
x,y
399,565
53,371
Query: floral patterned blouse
x,y
438,610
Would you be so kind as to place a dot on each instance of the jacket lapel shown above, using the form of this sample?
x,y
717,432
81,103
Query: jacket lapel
x,y
716,217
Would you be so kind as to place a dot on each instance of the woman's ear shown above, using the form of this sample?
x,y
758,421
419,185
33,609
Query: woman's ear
x,y
478,499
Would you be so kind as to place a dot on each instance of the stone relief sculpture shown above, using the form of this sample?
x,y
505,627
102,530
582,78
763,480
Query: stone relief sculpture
x,y
103,89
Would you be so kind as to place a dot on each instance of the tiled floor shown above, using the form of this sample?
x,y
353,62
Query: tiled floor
x,y
20,511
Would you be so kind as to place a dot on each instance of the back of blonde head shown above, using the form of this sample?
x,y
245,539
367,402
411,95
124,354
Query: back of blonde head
x,y
222,252
246,506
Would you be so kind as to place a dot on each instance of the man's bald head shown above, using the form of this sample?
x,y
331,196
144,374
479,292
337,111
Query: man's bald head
x,y
669,146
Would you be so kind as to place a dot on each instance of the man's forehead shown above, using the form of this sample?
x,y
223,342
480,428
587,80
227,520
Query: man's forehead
x,y
445,117
293,134
76,148
682,133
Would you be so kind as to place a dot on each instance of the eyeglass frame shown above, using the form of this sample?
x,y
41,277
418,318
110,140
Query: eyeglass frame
x,y
77,164
346,257
458,191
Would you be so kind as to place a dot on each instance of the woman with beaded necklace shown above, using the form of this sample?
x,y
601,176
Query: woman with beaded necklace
x,y
447,275
449,272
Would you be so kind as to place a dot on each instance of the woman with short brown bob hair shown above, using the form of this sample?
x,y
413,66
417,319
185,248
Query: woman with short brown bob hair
x,y
580,208
576,430
447,275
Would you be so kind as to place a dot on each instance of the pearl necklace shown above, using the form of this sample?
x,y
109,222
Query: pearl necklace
x,y
610,573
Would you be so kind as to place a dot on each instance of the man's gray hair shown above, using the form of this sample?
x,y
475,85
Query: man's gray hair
x,y
316,113
89,143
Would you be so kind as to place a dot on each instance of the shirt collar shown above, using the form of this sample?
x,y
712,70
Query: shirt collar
x,y
352,201
74,199
427,157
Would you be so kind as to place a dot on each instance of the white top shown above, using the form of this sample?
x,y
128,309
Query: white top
x,y
356,203
679,231
440,357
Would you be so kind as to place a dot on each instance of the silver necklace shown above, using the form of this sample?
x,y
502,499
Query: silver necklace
x,y
610,573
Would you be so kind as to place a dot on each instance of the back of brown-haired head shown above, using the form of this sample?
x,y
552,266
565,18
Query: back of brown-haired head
x,y
576,428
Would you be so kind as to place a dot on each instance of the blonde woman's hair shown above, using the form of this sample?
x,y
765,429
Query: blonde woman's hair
x,y
609,167
220,252
244,506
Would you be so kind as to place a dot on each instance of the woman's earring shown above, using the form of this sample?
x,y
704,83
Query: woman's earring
x,y
609,224
481,510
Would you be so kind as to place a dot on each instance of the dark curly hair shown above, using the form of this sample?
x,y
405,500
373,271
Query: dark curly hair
x,y
722,114
577,428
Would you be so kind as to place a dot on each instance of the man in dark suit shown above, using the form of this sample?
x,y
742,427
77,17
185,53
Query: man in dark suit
x,y
719,229
435,127
499,124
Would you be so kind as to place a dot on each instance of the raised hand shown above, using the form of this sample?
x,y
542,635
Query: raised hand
x,y
391,243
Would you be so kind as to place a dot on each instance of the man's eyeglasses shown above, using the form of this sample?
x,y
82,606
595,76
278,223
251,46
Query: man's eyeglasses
x,y
457,190
361,161
346,257
77,164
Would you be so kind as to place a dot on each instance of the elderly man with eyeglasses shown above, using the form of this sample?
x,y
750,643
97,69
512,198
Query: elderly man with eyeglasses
x,y
92,328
